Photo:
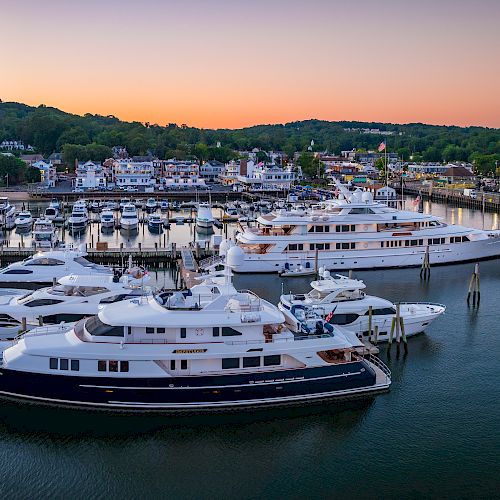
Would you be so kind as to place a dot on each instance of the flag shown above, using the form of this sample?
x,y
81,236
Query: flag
x,y
329,317
381,147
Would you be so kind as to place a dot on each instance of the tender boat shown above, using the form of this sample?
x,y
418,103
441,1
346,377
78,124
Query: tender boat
x,y
44,234
356,232
78,219
209,348
7,213
24,220
72,298
164,205
129,220
343,301
155,222
151,205
204,217
51,213
107,218
44,267
291,271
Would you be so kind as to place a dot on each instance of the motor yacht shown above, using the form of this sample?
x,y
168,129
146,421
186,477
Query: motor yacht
x,y
155,222
7,213
78,219
123,202
129,220
51,213
107,218
164,205
95,206
204,217
24,220
151,205
209,348
70,299
356,232
44,267
44,234
343,301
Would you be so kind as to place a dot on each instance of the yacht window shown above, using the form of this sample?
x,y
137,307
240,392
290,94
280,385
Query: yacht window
x,y
160,330
65,317
43,302
273,360
251,362
342,319
184,364
63,364
113,366
124,366
183,333
227,331
150,329
382,311
345,246
83,261
230,363
293,247
101,366
53,363
45,261
75,365
172,364
96,327
18,271
216,331
113,298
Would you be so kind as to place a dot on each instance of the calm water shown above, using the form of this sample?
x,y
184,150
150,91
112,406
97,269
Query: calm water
x,y
436,433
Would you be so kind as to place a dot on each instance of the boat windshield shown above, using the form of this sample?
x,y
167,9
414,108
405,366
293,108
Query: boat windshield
x,y
97,327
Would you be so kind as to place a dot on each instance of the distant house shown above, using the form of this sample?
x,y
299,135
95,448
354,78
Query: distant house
x,y
90,175
458,173
211,170
15,146
56,158
30,159
47,172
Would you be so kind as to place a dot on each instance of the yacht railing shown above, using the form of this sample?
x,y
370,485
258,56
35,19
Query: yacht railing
x,y
44,330
380,365
422,303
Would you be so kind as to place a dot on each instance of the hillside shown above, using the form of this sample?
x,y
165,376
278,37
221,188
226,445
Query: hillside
x,y
91,136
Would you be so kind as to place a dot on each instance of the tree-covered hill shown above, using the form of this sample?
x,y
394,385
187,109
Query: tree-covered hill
x,y
91,137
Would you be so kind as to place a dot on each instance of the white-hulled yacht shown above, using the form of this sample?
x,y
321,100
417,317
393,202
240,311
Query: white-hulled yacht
x,y
155,222
72,298
355,232
107,218
343,301
44,267
209,348
7,213
151,205
129,219
204,217
51,213
44,234
78,219
24,220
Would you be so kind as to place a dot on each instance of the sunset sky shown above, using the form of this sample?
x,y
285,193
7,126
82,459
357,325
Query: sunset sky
x,y
233,63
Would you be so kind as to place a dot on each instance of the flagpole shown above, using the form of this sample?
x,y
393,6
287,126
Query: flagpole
x,y
386,172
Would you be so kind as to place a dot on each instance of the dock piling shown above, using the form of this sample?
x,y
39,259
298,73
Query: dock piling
x,y
474,287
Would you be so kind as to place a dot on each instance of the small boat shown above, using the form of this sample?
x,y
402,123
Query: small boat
x,y
204,217
164,205
139,203
55,203
155,222
44,234
78,219
51,213
129,220
7,213
123,202
295,271
107,218
231,211
179,221
24,220
150,205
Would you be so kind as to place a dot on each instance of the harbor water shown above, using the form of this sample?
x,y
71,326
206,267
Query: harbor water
x,y
435,434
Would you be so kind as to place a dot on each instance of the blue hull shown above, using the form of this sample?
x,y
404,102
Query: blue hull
x,y
193,393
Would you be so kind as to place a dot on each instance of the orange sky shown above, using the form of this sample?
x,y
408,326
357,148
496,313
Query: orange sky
x,y
233,63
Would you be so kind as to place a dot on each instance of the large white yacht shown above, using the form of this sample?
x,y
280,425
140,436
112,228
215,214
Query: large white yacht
x,y
44,267
129,220
72,298
343,301
204,217
211,347
7,213
44,234
79,218
24,220
355,232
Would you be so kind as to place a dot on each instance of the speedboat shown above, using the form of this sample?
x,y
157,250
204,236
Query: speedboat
x,y
44,234
70,299
204,217
298,270
151,205
123,202
208,348
129,220
164,205
55,203
44,267
231,211
107,218
343,301
51,213
78,219
7,213
95,206
24,220
155,222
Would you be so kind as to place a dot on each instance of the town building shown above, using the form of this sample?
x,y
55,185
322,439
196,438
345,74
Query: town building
x,y
267,177
15,146
56,159
47,172
125,173
90,175
210,170
181,173
31,159
231,171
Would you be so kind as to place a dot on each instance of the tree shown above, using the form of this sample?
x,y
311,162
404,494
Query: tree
x,y
310,164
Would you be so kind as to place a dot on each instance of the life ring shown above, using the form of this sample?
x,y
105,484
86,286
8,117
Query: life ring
x,y
365,228
365,245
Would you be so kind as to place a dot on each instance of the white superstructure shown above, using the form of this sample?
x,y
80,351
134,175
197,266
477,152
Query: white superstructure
x,y
355,232
129,219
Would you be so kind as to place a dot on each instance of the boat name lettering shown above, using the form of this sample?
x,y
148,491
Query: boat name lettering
x,y
188,351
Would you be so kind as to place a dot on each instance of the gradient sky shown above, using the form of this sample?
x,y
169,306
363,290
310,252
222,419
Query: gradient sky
x,y
233,63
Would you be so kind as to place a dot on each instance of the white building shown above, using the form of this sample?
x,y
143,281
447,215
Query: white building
x,y
231,172
137,174
268,177
177,173
15,146
417,169
47,172
211,170
90,175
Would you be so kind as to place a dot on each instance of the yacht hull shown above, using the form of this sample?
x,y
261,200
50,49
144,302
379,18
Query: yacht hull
x,y
200,393
370,259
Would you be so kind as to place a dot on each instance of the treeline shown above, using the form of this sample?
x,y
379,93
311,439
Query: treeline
x,y
92,136
14,171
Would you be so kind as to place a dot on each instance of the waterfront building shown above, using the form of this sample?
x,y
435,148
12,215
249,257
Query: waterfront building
x,y
419,169
267,177
210,170
47,172
130,173
90,175
181,173
231,171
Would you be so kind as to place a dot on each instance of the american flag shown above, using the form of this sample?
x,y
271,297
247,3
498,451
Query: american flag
x,y
381,147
